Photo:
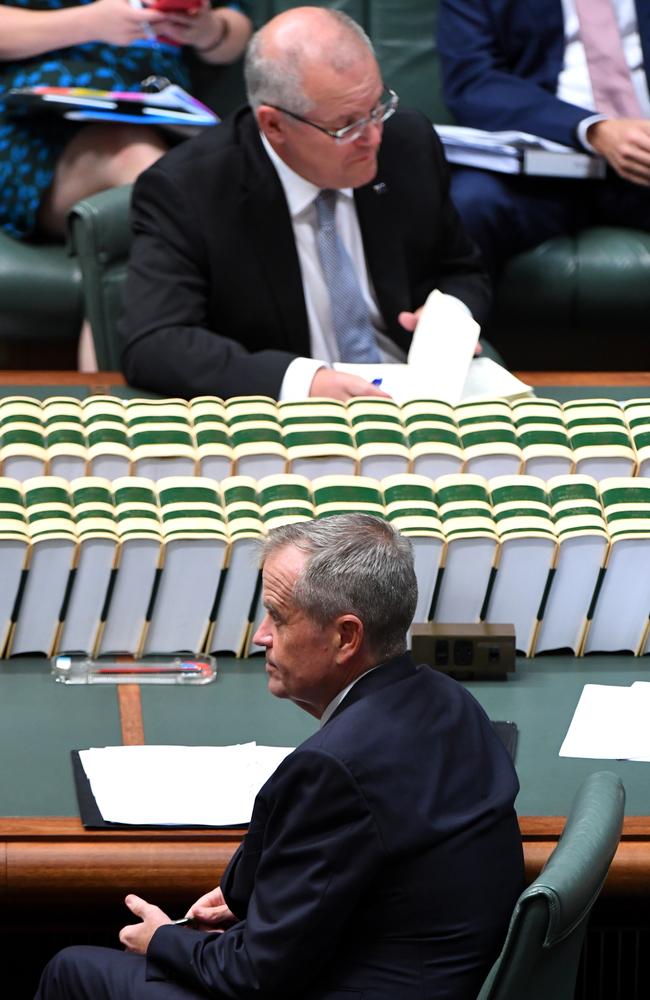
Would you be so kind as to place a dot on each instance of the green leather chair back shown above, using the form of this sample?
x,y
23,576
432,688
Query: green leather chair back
x,y
539,960
40,299
404,37
100,237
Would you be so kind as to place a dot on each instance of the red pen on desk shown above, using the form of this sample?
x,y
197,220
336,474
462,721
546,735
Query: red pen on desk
x,y
183,667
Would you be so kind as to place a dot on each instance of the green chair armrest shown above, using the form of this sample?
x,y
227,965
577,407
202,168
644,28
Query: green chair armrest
x,y
99,236
40,291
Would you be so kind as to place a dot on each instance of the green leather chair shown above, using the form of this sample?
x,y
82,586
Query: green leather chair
x,y
41,305
541,954
99,236
560,305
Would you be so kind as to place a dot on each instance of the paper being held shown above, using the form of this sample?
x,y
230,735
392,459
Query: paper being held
x,y
441,363
443,346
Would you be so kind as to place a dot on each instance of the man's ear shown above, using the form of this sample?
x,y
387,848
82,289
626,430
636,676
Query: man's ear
x,y
351,634
272,123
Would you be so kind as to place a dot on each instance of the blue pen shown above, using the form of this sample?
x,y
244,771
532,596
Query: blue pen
x,y
377,381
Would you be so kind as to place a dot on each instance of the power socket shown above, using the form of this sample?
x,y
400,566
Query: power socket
x,y
467,652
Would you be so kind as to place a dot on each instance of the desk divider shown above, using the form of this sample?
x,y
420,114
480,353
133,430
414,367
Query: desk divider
x,y
465,534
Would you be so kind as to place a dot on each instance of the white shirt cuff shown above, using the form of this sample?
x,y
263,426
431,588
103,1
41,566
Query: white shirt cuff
x,y
581,131
298,378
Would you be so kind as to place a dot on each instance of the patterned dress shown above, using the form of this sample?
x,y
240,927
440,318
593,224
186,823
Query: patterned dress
x,y
30,147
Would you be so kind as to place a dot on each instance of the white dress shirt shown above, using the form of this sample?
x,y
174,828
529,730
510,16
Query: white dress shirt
x,y
338,698
574,84
301,195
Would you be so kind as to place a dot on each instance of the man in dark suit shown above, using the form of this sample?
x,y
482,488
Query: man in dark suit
x,y
383,857
508,64
225,292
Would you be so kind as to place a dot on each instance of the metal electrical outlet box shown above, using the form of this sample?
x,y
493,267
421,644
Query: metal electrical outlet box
x,y
467,652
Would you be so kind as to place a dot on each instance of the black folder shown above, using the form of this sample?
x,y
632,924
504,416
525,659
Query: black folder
x,y
92,819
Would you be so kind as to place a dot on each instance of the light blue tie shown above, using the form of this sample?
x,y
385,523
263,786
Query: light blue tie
x,y
354,331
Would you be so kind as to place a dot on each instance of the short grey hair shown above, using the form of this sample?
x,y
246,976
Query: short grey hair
x,y
357,564
279,81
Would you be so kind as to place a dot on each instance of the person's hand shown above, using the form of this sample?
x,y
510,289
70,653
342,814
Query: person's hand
x,y
195,27
340,385
118,23
136,937
409,320
211,913
625,144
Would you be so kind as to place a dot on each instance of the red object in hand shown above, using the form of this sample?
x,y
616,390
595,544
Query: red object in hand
x,y
177,6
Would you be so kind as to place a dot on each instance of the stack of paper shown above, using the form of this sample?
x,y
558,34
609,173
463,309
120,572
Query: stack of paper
x,y
610,722
513,152
179,786
171,106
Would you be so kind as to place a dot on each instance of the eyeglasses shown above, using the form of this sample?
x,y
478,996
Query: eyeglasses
x,y
380,113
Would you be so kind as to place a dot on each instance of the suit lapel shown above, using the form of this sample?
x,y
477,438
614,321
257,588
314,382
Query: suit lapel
x,y
384,255
643,22
270,234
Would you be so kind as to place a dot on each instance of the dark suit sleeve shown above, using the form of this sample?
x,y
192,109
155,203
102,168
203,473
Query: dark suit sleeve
x,y
170,343
319,850
491,55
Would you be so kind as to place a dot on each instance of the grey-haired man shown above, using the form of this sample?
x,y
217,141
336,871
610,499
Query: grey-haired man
x,y
383,857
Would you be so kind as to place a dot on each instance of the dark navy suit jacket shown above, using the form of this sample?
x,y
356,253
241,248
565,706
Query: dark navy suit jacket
x,y
501,60
214,299
382,860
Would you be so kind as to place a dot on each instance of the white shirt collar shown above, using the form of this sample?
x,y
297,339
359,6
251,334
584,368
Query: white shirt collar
x,y
300,193
338,698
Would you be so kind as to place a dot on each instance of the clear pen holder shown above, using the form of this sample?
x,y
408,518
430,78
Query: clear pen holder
x,y
175,669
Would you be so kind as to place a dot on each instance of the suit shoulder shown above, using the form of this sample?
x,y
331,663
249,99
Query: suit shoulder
x,y
214,150
409,134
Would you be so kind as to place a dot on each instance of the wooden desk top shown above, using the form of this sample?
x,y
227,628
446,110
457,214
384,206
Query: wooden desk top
x,y
100,382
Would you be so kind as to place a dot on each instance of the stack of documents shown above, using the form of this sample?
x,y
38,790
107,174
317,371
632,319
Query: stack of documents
x,y
171,106
179,786
441,363
610,722
516,153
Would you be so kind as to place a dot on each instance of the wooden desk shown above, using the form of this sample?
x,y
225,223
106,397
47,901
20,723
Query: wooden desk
x,y
98,381
52,859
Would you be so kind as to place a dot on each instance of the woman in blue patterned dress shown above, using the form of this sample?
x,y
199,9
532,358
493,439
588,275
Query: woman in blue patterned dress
x,y
47,164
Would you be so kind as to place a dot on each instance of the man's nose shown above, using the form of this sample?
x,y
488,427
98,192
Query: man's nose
x,y
371,134
262,636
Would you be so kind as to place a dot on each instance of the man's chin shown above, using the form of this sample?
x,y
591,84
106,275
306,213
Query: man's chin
x,y
365,170
275,685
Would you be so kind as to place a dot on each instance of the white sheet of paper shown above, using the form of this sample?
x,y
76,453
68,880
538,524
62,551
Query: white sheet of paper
x,y
485,379
641,709
178,785
608,723
441,363
443,345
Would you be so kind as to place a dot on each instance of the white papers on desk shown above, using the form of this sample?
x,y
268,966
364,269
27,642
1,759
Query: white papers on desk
x,y
485,379
441,364
610,722
178,785
513,152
